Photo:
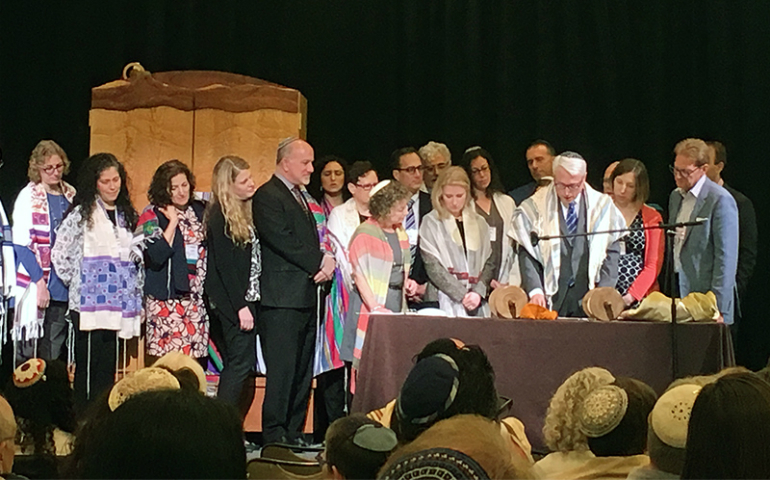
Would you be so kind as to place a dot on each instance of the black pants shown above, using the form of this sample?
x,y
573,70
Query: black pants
x,y
95,355
239,358
55,328
329,400
287,337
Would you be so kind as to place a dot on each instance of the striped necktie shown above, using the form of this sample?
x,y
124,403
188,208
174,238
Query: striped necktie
x,y
410,224
572,219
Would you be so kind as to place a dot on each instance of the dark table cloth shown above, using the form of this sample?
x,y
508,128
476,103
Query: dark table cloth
x,y
532,358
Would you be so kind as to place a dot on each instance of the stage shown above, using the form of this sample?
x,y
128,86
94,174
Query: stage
x,y
532,358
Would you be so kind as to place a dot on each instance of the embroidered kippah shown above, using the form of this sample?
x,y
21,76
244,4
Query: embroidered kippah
x,y
435,463
602,410
671,415
29,373
144,380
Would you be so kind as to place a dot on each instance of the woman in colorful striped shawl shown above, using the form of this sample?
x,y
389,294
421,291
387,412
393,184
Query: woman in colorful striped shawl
x,y
380,258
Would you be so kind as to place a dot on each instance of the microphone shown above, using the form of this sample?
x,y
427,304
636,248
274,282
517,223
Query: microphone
x,y
534,238
697,221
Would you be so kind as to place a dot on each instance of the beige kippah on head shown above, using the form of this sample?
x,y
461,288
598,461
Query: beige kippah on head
x,y
602,410
143,380
671,415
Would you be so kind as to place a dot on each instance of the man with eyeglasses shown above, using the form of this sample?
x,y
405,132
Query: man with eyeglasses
x,y
705,256
435,158
407,169
557,273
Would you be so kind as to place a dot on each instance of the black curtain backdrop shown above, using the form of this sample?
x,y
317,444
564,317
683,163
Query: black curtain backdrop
x,y
609,79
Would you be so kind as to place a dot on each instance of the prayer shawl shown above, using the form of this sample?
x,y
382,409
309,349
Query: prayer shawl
x,y
509,263
441,239
540,213
343,222
101,265
371,256
32,228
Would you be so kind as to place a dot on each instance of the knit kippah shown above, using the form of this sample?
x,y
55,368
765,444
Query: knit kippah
x,y
602,410
143,380
435,463
429,390
671,415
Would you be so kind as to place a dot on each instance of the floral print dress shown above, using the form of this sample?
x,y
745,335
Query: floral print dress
x,y
182,324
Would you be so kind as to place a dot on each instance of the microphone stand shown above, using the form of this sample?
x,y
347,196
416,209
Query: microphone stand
x,y
670,231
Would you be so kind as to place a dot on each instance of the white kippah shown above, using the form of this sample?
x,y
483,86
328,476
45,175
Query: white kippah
x,y
378,187
671,415
602,410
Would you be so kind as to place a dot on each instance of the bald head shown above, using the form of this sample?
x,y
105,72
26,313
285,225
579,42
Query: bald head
x,y
607,177
294,159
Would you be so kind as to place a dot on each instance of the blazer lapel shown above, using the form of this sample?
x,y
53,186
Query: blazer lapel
x,y
696,210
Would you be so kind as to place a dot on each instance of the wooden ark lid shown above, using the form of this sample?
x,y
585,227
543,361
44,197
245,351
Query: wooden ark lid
x,y
194,90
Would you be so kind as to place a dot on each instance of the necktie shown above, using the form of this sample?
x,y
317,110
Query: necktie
x,y
685,210
298,196
572,219
410,224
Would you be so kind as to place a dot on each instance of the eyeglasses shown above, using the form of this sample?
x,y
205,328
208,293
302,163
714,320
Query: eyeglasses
x,y
682,172
412,170
476,171
51,168
574,187
367,186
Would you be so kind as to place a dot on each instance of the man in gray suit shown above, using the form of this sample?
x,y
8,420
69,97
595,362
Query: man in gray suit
x,y
705,256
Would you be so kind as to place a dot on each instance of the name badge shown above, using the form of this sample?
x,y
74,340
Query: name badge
x,y
492,234
191,252
412,234
623,247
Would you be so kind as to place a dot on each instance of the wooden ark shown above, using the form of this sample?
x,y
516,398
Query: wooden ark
x,y
197,117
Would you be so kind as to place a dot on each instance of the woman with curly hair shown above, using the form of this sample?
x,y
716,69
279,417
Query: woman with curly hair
x,y
98,258
175,264
232,280
562,427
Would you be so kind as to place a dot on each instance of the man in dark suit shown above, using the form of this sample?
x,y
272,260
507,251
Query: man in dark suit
x,y
747,219
407,169
292,267
540,155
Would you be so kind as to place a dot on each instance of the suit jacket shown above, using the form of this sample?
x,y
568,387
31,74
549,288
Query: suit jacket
x,y
291,252
709,255
747,243
419,274
523,192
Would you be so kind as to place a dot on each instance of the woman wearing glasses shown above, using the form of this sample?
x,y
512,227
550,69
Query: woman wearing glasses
x,y
641,253
496,208
37,213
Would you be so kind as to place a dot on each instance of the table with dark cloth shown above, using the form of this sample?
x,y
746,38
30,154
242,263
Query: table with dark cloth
x,y
532,358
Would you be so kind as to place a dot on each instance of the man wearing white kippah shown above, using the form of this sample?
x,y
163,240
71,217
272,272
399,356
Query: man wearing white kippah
x,y
556,273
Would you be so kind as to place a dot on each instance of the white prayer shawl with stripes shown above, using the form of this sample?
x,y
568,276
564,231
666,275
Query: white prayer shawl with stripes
x,y
539,214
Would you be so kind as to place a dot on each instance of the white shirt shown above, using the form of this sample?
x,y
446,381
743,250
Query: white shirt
x,y
689,198
413,233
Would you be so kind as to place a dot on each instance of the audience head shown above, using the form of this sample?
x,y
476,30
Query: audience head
x,y
357,447
607,180
172,184
540,156
102,177
294,160
232,188
144,380
451,193
690,163
435,158
667,429
447,380
629,182
362,178
569,176
187,370
387,203
461,442
48,163
407,168
717,155
729,431
328,177
40,394
481,169
165,434
614,418
7,437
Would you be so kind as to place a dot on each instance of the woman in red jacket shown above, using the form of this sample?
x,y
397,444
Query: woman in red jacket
x,y
641,254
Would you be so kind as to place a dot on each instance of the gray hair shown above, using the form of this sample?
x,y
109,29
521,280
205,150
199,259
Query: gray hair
x,y
284,148
572,162
431,149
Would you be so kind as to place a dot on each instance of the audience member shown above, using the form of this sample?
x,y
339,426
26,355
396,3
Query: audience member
x,y
729,428
95,237
327,183
435,158
540,155
233,283
456,248
489,201
561,429
165,434
177,362
641,257
708,259
37,214
557,274
175,264
357,447
7,440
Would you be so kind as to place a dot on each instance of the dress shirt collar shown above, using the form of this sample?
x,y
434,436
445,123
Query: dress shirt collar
x,y
696,189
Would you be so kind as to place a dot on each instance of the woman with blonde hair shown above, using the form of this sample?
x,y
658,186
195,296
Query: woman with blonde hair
x,y
37,213
232,278
455,245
